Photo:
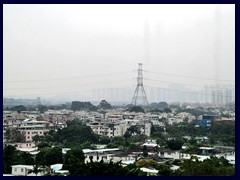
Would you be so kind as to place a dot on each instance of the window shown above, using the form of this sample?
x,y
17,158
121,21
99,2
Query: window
x,y
15,169
28,132
21,169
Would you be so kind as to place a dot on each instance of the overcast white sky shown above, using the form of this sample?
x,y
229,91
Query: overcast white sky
x,y
69,48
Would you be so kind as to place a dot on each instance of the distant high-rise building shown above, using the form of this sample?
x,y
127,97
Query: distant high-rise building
x,y
233,95
228,96
218,94
39,102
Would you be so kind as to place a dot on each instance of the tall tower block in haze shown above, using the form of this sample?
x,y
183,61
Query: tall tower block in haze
x,y
139,97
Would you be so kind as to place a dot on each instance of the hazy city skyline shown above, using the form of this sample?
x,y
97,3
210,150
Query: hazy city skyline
x,y
72,50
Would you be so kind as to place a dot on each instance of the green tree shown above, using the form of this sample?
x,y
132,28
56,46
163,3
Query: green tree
x,y
163,105
42,108
76,133
104,105
131,131
40,157
104,169
26,158
13,135
43,145
148,163
164,170
36,169
36,139
73,158
209,167
53,156
48,156
116,142
174,144
77,105
154,105
10,157
74,122
167,110
104,140
145,151
8,136
136,109
18,108
223,132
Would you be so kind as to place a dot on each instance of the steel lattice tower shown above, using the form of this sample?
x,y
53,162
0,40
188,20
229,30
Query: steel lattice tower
x,y
139,97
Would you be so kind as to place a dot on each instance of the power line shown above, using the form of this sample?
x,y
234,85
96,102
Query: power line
x,y
67,78
102,82
68,92
183,83
185,76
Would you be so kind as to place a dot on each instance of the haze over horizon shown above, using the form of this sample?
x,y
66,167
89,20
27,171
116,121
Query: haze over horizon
x,y
73,51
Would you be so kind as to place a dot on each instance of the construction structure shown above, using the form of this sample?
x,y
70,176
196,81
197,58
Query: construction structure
x,y
139,97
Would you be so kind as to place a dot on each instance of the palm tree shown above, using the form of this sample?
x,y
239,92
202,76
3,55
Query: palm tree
x,y
36,169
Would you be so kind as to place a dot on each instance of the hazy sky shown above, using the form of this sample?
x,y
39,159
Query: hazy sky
x,y
58,49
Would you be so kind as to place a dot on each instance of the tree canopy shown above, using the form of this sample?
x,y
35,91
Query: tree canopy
x,y
102,168
160,105
175,144
209,167
18,108
77,105
11,156
74,135
104,105
48,156
72,158
136,109
223,132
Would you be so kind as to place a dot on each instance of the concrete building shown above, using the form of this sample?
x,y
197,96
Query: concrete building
x,y
31,127
23,170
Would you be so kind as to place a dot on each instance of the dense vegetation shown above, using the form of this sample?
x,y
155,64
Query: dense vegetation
x,y
77,106
13,135
73,160
223,133
104,105
74,135
104,169
136,109
209,167
11,156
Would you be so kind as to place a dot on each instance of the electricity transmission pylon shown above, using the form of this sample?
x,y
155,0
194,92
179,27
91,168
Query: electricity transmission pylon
x,y
139,97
